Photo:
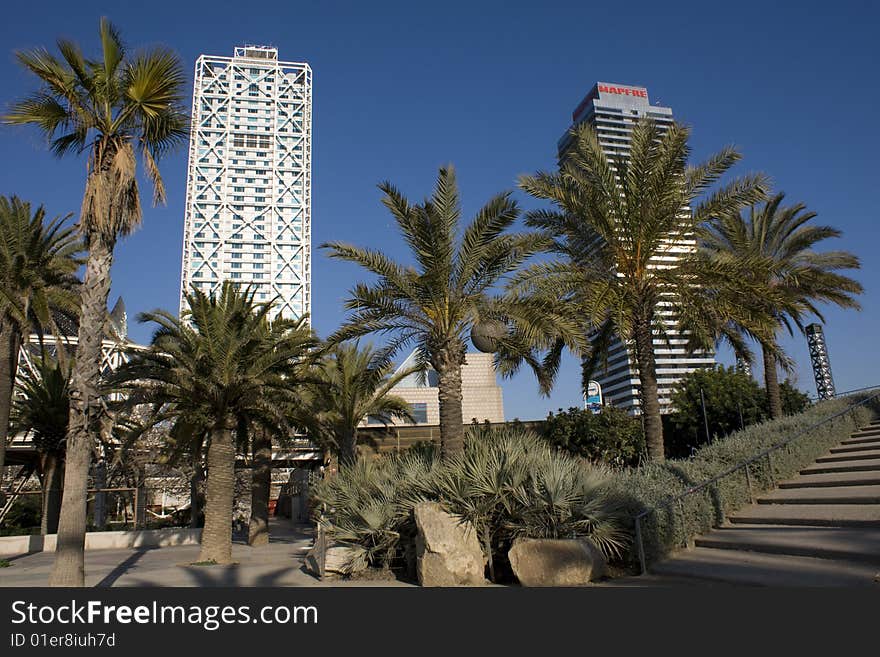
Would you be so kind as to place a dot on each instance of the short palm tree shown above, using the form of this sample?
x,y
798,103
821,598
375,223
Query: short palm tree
x,y
113,107
42,408
449,290
38,263
353,384
802,278
222,361
613,222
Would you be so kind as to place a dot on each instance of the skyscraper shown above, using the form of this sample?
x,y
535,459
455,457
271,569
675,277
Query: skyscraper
x,y
613,109
248,193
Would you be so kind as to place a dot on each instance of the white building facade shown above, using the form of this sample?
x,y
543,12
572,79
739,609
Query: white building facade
x,y
481,396
613,109
248,198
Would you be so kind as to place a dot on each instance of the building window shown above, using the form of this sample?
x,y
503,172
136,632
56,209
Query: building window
x,y
419,412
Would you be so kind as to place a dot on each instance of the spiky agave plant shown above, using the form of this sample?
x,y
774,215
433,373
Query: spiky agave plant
x,y
510,484
368,506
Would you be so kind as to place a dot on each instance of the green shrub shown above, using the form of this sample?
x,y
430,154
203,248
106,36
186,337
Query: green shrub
x,y
508,482
794,401
24,516
651,486
612,436
734,400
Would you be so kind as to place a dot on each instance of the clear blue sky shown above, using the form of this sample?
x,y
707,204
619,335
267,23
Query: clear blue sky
x,y
401,88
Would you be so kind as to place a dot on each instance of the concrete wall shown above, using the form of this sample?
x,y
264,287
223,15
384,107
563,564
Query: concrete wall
x,y
146,538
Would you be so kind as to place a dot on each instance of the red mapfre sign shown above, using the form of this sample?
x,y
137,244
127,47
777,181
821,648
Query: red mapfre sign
x,y
608,89
623,91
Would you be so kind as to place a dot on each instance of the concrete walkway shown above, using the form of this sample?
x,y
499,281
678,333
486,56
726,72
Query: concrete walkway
x,y
821,528
277,564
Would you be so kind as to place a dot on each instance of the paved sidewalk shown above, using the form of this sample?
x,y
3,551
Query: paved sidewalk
x,y
277,564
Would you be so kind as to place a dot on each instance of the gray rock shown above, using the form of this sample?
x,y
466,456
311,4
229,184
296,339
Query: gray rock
x,y
345,560
448,552
555,562
338,560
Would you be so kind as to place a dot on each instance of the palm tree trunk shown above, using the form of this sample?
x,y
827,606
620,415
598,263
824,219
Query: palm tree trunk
x,y
771,383
10,341
650,397
449,393
348,448
261,482
194,481
217,534
51,495
85,414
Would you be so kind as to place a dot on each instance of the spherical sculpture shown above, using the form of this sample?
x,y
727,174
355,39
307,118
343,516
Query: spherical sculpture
x,y
486,335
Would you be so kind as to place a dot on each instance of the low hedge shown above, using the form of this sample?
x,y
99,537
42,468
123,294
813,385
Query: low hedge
x,y
675,525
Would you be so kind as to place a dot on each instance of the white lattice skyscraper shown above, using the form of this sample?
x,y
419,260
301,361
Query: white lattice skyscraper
x,y
248,195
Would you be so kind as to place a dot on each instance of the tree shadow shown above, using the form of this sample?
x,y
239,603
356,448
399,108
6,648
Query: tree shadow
x,y
217,576
122,568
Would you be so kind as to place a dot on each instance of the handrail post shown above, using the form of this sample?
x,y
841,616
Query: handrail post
x,y
770,469
641,546
749,482
683,524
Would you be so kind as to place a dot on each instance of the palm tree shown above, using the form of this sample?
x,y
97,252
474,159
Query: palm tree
x,y
795,273
38,263
433,304
353,384
42,408
224,360
112,107
614,221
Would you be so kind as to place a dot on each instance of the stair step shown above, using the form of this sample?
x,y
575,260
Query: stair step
x,y
861,465
755,569
830,479
855,449
834,458
865,440
865,433
817,515
862,545
826,495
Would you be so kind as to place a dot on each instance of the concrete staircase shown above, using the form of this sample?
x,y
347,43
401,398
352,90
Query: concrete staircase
x,y
821,528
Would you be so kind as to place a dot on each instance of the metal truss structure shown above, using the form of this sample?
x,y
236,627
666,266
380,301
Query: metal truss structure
x,y
248,198
113,355
742,365
819,360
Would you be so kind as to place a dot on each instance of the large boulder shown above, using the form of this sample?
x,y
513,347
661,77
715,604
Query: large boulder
x,y
338,560
555,562
447,550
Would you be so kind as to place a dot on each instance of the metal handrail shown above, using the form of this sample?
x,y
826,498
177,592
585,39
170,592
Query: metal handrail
x,y
743,464
846,392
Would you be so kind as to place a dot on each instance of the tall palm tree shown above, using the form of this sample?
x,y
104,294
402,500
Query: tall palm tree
x,y
784,238
352,385
614,221
38,263
223,360
42,408
449,291
113,107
